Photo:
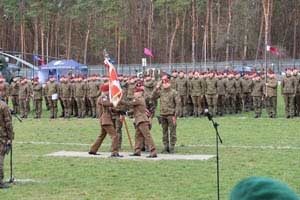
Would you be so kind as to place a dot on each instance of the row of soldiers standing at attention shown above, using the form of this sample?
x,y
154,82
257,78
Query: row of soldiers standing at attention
x,y
220,92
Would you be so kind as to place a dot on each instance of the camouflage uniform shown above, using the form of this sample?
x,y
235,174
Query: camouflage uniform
x,y
93,94
189,103
168,105
288,90
230,95
297,97
4,91
141,123
79,96
211,94
238,98
37,98
182,88
271,96
221,90
73,104
24,94
14,93
257,95
52,89
195,90
246,91
65,91
6,135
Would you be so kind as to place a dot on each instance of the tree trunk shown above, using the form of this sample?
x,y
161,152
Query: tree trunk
x,y
266,8
167,32
172,40
36,36
245,39
259,37
205,38
69,40
218,23
228,43
42,40
183,38
193,31
87,35
211,31
295,34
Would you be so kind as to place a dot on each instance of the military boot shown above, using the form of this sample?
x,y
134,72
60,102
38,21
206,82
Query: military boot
x,y
3,186
172,150
165,150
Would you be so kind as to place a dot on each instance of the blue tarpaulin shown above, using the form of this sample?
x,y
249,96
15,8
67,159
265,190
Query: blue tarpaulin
x,y
60,68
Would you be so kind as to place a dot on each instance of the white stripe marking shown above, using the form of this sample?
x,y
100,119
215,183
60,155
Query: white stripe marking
x,y
179,145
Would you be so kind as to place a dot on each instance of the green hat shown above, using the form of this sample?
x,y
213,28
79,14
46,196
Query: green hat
x,y
260,188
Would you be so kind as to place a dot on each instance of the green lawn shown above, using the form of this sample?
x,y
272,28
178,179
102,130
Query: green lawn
x,y
252,147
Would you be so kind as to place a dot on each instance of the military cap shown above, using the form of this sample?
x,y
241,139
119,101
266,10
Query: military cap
x,y
261,188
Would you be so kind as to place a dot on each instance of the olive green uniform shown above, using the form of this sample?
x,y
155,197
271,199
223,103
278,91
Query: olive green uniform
x,y
211,94
230,95
37,99
52,89
24,94
182,89
288,90
257,95
271,97
14,94
221,90
65,91
238,96
80,98
168,104
93,94
246,94
195,91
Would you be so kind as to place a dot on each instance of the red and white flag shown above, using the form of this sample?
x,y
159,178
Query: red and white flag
x,y
115,90
273,50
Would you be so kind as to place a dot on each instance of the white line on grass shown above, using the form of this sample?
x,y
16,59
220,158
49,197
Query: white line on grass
x,y
180,145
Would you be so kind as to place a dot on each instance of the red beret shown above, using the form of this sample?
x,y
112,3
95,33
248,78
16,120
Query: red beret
x,y
138,89
104,88
166,80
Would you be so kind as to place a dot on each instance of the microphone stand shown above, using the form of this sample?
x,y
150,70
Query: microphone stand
x,y
218,138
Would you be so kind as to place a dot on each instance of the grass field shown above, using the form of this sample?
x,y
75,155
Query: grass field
x,y
251,147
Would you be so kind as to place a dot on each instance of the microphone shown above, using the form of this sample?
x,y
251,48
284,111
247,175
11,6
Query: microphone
x,y
208,114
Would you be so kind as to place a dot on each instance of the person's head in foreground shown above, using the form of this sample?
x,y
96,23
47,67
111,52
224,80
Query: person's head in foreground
x,y
260,188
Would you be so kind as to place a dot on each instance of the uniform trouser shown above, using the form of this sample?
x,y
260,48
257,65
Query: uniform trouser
x,y
62,107
67,108
257,104
197,104
106,129
238,103
47,103
271,106
118,127
28,105
182,106
81,106
212,100
74,108
169,138
189,106
88,106
230,101
37,103
297,104
289,104
15,103
221,104
2,156
23,107
52,107
247,102
142,133
93,102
